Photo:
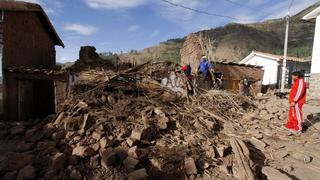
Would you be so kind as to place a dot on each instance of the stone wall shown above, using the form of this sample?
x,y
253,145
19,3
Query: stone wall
x,y
314,89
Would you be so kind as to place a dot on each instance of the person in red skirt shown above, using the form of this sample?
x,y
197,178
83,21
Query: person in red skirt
x,y
297,99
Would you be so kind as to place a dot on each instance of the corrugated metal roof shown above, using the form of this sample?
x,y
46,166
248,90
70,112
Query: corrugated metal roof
x,y
278,57
36,8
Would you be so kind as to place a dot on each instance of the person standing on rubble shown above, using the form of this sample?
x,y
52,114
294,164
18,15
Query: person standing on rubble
x,y
204,67
297,99
218,79
246,87
189,79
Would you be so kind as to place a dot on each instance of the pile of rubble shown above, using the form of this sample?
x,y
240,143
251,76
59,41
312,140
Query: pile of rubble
x,y
125,125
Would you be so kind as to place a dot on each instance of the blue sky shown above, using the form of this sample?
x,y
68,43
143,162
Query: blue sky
x,y
122,25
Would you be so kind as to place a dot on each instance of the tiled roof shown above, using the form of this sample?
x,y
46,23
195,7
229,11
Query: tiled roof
x,y
35,71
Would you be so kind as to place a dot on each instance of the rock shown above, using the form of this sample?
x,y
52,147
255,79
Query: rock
x,y
95,161
310,116
97,135
302,157
34,135
130,163
17,130
14,161
23,147
190,166
258,143
275,174
136,134
281,154
41,146
263,113
131,142
162,119
61,134
133,152
95,147
73,160
121,153
210,153
223,150
103,142
75,175
58,161
140,174
82,151
108,158
287,168
27,172
10,175
225,169
156,164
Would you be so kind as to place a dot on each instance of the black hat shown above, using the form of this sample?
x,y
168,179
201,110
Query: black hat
x,y
300,74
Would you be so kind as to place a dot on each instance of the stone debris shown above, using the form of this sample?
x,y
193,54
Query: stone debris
x,y
58,161
190,166
140,174
108,158
14,161
130,163
302,157
272,173
258,143
27,172
125,125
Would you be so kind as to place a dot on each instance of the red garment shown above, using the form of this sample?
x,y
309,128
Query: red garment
x,y
298,96
185,68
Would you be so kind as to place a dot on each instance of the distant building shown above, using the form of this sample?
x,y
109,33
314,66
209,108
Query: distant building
x,y
272,66
314,91
27,43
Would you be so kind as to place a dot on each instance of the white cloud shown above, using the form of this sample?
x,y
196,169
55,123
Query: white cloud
x,y
280,9
80,29
115,4
133,28
176,14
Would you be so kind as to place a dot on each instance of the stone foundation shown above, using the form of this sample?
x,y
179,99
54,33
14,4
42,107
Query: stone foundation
x,y
314,89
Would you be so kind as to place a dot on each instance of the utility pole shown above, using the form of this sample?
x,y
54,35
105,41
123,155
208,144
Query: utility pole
x,y
284,66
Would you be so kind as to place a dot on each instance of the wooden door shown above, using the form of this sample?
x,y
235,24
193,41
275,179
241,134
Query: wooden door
x,y
25,97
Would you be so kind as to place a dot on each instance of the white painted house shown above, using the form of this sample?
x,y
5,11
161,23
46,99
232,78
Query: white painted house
x,y
314,90
272,66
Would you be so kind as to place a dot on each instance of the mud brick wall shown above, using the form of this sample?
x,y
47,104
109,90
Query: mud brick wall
x,y
28,44
61,92
191,52
314,88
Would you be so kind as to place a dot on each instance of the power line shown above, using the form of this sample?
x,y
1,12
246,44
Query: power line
x,y
204,12
249,7
290,6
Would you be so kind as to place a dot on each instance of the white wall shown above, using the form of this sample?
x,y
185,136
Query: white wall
x,y
315,68
270,68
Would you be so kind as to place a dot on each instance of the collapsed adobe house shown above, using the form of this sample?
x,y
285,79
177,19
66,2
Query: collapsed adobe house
x,y
192,51
28,42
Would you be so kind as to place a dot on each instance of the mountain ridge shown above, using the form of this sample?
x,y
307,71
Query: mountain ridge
x,y
234,41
